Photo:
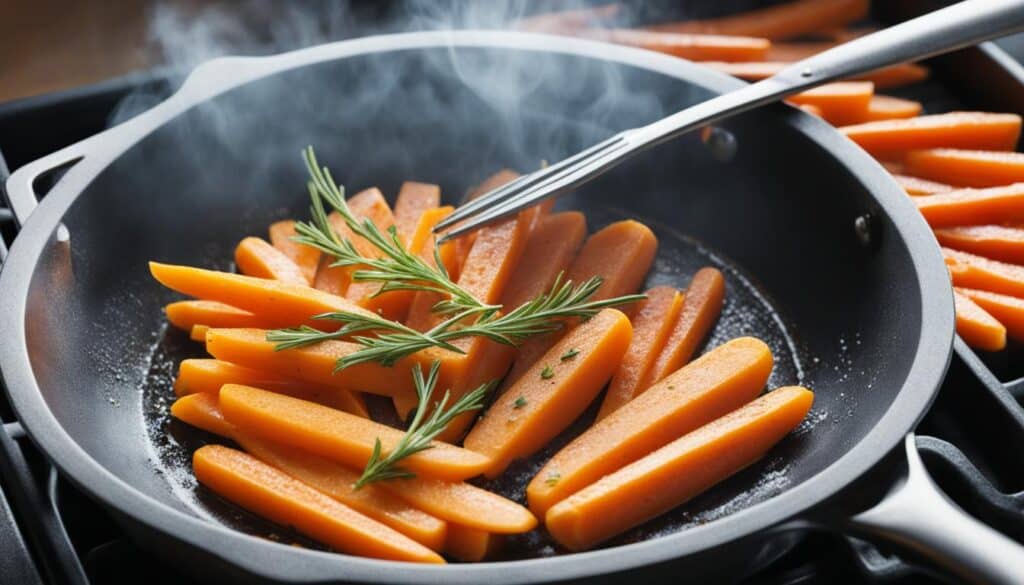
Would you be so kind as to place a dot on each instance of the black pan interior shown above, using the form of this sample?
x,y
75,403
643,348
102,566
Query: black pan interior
x,y
778,216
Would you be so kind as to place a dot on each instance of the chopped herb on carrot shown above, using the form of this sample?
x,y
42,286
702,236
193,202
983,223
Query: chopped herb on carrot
x,y
570,354
520,402
547,373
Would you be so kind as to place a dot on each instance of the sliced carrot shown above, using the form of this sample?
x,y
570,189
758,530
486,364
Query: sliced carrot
x,y
419,315
843,102
364,292
714,384
976,327
652,325
414,199
1006,309
270,493
549,249
187,314
702,303
280,304
568,21
695,47
969,168
991,241
471,545
198,333
978,272
256,257
994,205
893,166
370,204
208,375
886,77
465,243
894,138
328,477
885,107
779,21
678,471
919,186
553,393
307,258
796,50
337,435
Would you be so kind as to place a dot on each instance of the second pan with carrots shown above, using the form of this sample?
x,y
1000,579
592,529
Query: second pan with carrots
x,y
840,294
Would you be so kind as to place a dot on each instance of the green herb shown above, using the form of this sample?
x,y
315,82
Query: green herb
x,y
552,478
570,354
420,433
519,403
547,373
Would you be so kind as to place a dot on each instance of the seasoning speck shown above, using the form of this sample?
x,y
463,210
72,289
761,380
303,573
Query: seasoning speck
x,y
519,403
547,373
570,354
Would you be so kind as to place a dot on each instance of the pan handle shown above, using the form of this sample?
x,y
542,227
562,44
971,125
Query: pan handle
x,y
20,187
917,515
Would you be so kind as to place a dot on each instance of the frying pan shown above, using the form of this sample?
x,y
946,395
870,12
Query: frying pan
x,y
825,258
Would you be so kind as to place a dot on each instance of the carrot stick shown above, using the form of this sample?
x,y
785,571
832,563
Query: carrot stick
x,y
976,327
363,292
678,471
256,257
414,199
972,271
471,545
714,384
367,204
326,476
1006,309
695,47
652,326
553,393
994,205
337,435
979,130
419,316
187,314
885,107
702,303
549,249
280,304
465,243
843,102
886,77
780,21
198,333
969,168
919,186
269,493
307,258
207,376
991,241
796,50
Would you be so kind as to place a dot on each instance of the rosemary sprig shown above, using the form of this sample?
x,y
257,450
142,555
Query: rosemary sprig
x,y
420,433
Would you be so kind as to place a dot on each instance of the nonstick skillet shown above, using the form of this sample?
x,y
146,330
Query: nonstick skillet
x,y
825,258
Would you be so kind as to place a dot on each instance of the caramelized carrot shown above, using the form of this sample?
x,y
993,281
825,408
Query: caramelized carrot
x,y
702,304
885,107
779,21
270,493
326,476
553,393
652,325
991,241
414,199
714,384
994,205
678,471
919,186
549,249
337,435
1006,309
695,47
187,314
969,168
471,545
976,327
255,257
971,271
307,258
367,204
892,76
207,376
843,102
280,304
893,138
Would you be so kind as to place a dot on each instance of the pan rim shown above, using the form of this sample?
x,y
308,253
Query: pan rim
x,y
274,561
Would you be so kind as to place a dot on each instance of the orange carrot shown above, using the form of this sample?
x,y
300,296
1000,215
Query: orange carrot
x,y
652,326
198,333
972,271
678,471
553,393
187,314
267,492
980,130
976,327
969,168
363,292
207,376
419,316
1006,309
549,249
695,47
885,107
256,257
471,545
991,241
797,50
779,21
414,199
892,76
714,384
337,435
367,204
994,205
702,304
844,102
307,258
280,304
465,243
918,186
